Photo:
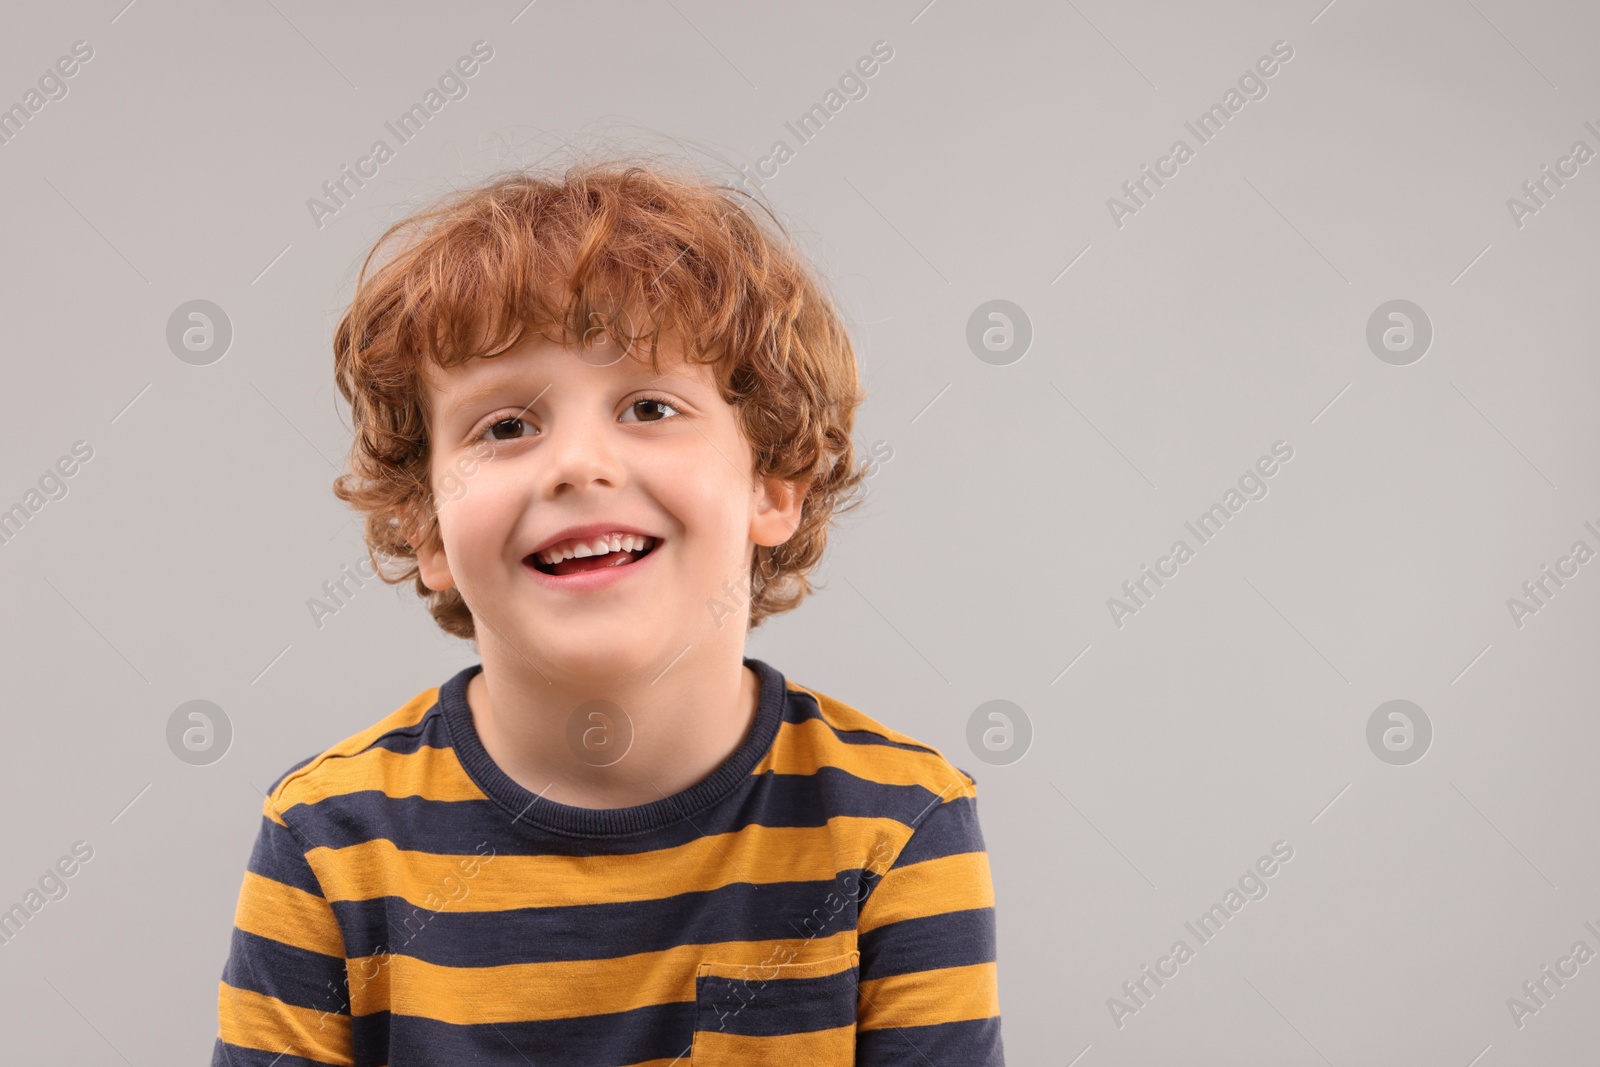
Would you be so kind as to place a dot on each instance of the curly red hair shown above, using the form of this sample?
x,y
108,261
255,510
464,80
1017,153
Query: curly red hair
x,y
559,254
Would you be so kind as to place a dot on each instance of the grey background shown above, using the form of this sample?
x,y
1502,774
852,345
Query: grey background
x,y
1227,314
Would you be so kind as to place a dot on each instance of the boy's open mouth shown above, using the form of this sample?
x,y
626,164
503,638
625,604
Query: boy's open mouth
x,y
580,564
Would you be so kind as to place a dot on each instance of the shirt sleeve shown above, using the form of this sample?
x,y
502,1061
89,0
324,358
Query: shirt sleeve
x,y
284,996
928,990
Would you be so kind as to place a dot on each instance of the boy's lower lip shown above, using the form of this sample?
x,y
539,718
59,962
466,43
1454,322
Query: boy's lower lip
x,y
588,581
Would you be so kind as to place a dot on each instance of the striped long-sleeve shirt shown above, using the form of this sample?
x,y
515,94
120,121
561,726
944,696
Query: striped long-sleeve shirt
x,y
823,897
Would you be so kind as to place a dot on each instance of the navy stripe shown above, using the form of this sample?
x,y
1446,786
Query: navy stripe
x,y
226,1055
428,732
867,737
949,830
969,1043
954,939
279,855
803,706
756,1008
293,975
459,827
782,911
661,1031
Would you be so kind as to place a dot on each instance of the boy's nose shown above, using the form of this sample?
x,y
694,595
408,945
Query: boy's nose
x,y
578,453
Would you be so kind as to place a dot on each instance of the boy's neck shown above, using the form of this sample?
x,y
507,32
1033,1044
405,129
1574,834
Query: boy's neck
x,y
684,725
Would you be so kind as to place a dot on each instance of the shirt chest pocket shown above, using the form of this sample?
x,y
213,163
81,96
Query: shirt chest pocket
x,y
782,1015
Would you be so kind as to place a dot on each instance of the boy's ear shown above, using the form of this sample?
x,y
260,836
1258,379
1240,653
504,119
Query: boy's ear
x,y
777,509
432,565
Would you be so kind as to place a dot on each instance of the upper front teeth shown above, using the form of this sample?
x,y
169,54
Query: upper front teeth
x,y
598,546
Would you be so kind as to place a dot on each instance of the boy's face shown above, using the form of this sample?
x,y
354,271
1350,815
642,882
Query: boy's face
x,y
543,438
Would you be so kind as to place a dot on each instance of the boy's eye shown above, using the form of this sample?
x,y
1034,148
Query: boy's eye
x,y
651,408
648,402
512,421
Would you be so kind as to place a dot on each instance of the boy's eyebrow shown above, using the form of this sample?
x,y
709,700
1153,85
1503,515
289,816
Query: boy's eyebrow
x,y
473,397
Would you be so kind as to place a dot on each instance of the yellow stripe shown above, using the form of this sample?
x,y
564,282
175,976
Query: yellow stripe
x,y
774,966
932,887
791,1050
842,716
563,989
283,913
803,747
755,854
430,773
927,998
408,714
272,813
251,1020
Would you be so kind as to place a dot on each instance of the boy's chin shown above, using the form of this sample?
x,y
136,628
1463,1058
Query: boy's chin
x,y
604,656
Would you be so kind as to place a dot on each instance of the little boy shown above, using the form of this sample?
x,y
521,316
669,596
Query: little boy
x,y
602,420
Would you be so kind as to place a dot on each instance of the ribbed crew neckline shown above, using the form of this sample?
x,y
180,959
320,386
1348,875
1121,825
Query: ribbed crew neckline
x,y
528,807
